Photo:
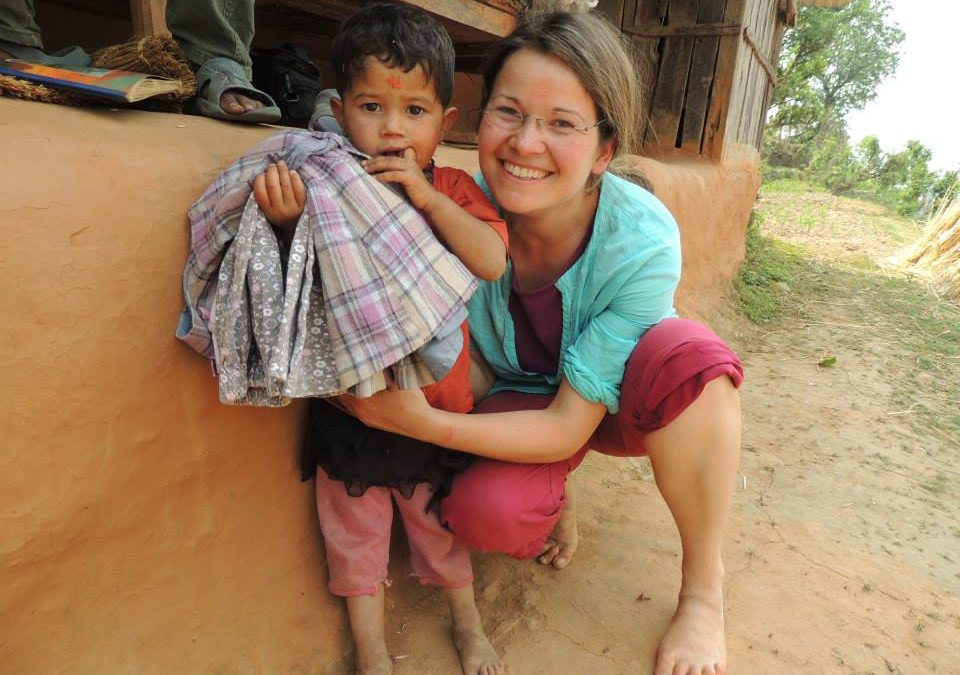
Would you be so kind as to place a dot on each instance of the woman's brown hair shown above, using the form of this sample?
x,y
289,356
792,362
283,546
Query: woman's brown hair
x,y
596,51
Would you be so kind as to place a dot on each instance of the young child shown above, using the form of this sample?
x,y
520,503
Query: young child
x,y
394,76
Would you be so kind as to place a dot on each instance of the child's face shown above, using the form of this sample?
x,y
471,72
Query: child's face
x,y
387,110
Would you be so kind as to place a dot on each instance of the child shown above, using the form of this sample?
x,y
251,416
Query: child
x,y
394,71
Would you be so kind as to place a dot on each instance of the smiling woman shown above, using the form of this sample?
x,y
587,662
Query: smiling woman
x,y
581,333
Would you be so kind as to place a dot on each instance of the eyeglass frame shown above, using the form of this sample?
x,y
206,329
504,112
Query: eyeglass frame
x,y
540,121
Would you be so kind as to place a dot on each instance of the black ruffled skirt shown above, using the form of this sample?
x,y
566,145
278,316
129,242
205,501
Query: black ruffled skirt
x,y
361,457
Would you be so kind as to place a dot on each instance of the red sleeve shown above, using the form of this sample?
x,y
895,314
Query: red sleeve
x,y
459,186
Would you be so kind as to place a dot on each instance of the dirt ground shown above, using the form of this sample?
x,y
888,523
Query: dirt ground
x,y
843,544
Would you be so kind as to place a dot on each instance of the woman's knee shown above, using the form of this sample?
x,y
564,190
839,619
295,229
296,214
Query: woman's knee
x,y
505,508
669,368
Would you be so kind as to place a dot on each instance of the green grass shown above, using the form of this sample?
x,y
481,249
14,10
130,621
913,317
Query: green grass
x,y
788,186
767,276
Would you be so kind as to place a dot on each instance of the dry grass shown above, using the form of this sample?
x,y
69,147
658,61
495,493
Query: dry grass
x,y
936,255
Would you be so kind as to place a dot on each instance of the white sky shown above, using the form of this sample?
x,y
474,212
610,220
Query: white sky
x,y
922,100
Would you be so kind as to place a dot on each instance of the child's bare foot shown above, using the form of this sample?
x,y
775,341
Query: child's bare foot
x,y
565,537
477,655
694,642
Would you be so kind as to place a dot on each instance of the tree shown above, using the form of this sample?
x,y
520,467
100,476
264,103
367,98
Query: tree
x,y
831,63
907,175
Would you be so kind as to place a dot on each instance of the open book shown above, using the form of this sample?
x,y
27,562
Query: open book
x,y
120,85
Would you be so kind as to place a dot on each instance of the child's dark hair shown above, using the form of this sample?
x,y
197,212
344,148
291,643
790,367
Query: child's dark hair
x,y
401,37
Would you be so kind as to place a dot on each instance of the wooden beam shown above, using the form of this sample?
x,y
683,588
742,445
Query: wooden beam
x,y
696,30
148,17
478,15
485,19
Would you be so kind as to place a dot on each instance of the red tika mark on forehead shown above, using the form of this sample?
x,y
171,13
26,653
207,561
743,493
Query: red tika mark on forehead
x,y
394,83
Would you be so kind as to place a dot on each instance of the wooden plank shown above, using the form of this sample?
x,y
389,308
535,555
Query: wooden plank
x,y
756,34
646,53
148,17
741,99
667,105
702,65
776,45
645,13
716,122
613,10
772,43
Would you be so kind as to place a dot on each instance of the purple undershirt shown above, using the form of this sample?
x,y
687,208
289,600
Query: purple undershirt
x,y
538,320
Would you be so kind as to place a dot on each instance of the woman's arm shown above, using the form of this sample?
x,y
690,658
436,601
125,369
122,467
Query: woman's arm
x,y
525,436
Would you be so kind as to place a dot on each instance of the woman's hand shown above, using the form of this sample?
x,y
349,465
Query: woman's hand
x,y
401,411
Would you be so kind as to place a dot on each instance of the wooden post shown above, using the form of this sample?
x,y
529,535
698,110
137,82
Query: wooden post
x,y
148,17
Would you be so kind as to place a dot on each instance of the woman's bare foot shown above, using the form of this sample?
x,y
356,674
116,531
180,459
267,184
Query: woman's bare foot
x,y
477,655
694,642
235,104
565,537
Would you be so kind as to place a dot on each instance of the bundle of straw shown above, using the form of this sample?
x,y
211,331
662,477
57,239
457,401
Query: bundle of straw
x,y
34,91
154,55
937,252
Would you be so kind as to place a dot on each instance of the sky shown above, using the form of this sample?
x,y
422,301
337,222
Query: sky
x,y
922,100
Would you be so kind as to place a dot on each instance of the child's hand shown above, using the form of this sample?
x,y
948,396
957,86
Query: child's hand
x,y
405,171
281,195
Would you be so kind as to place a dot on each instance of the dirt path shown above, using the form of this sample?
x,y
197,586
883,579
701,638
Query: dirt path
x,y
843,551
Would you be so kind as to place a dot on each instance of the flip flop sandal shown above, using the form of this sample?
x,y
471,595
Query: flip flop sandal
x,y
220,75
69,56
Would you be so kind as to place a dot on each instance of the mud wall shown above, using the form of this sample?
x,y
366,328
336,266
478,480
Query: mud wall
x,y
145,528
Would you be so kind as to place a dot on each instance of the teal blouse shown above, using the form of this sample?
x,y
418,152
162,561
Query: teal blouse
x,y
623,284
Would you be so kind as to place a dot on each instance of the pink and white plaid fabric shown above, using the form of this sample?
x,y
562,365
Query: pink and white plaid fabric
x,y
367,283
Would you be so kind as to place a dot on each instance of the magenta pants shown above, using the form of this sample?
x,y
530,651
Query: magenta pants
x,y
512,508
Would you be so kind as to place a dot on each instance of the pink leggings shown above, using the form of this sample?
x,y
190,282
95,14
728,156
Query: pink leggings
x,y
356,535
512,508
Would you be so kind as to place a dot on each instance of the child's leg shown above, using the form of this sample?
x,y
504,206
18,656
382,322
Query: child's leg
x,y
440,559
356,536
366,625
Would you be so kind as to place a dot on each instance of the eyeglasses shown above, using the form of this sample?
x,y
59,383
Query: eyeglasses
x,y
506,118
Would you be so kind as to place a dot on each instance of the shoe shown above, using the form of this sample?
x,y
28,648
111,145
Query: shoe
x,y
219,75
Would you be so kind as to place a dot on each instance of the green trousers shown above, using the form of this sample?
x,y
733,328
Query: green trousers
x,y
17,24
203,28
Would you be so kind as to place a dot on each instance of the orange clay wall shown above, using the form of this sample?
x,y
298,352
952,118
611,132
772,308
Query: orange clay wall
x,y
144,527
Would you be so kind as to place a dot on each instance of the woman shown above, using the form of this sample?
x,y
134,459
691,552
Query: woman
x,y
581,334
